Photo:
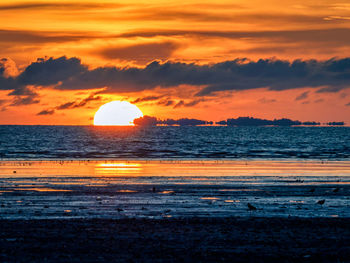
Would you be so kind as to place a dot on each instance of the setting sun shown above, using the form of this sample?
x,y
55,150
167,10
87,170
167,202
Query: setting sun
x,y
119,113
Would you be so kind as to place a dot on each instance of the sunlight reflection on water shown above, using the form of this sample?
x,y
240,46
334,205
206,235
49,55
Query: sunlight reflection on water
x,y
116,189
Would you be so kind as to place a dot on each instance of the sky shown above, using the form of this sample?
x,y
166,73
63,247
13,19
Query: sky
x,y
211,60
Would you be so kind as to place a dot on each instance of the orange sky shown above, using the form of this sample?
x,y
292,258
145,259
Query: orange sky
x,y
135,33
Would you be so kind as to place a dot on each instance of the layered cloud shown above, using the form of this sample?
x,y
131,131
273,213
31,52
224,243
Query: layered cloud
x,y
55,6
138,32
46,112
71,104
41,37
141,53
302,96
146,99
241,74
78,104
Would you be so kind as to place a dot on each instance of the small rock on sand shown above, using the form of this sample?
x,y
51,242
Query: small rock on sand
x,y
251,207
321,202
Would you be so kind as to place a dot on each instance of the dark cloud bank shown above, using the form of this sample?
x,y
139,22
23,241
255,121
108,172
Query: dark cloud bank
x,y
241,74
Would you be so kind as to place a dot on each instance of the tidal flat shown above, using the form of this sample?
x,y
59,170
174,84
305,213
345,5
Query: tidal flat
x,y
174,211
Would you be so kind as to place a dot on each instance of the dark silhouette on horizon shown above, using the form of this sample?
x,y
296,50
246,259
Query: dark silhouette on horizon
x,y
240,121
146,121
250,121
336,123
153,121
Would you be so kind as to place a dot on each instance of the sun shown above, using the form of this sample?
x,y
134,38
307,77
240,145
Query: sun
x,y
117,113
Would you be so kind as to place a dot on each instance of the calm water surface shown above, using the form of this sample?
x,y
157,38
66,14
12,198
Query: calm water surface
x,y
88,142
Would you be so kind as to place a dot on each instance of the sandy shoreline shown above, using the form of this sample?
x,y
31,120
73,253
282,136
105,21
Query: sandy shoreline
x,y
176,240
163,189
171,211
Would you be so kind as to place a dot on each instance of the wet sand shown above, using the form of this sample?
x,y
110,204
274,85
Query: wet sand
x,y
176,240
170,211
163,189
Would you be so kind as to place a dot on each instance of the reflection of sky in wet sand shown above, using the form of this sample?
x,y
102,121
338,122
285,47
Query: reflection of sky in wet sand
x,y
115,169
40,189
115,189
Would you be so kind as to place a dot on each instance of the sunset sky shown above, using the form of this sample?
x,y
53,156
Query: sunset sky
x,y
61,60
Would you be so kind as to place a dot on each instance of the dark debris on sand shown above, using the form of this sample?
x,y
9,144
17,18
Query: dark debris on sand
x,y
176,240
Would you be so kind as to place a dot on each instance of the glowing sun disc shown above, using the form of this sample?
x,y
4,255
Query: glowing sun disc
x,y
120,113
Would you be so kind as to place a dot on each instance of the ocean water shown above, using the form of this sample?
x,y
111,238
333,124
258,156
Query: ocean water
x,y
89,142
161,172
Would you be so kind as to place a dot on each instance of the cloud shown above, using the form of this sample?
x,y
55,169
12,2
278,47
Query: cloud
x,y
50,71
209,13
140,53
67,105
82,103
166,102
65,73
339,36
23,91
46,112
302,96
182,103
179,104
193,103
40,73
224,16
8,67
39,37
319,100
7,83
55,6
264,100
23,95
6,80
24,100
71,104
329,18
329,89
146,99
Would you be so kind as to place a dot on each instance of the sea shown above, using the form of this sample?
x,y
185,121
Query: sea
x,y
50,172
168,142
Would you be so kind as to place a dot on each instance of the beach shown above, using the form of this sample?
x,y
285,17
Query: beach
x,y
176,240
175,211
165,189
